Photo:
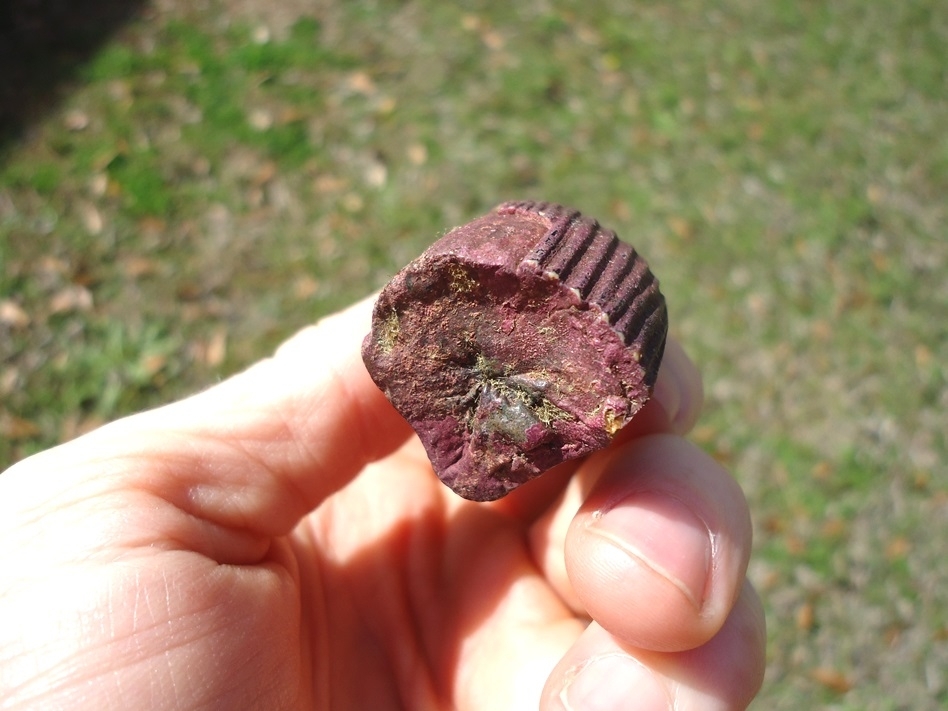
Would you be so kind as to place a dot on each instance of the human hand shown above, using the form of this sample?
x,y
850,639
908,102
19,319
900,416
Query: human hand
x,y
278,542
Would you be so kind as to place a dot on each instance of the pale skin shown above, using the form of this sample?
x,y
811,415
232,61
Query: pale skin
x,y
280,542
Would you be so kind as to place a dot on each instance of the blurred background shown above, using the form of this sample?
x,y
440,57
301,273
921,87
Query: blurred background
x,y
184,184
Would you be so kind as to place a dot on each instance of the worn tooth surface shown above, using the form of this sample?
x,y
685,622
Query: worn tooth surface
x,y
522,339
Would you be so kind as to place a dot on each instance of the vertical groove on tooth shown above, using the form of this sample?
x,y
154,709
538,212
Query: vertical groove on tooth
x,y
556,252
599,249
636,278
642,306
652,341
568,250
611,276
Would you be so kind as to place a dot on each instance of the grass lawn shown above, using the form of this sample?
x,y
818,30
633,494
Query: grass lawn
x,y
221,173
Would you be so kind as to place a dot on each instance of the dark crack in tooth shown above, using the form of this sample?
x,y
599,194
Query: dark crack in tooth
x,y
520,340
609,283
591,270
633,304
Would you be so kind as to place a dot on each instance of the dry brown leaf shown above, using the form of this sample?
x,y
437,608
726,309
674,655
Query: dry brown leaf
x,y
892,634
14,428
152,226
216,348
795,544
880,261
682,228
52,267
305,287
189,291
620,210
774,524
91,218
361,83
822,471
387,105
833,527
329,184
805,617
152,364
13,315
138,266
290,114
492,39
375,174
417,153
832,679
821,329
471,22
898,548
260,119
71,298
98,184
265,173
755,132
8,380
921,479
352,202
76,120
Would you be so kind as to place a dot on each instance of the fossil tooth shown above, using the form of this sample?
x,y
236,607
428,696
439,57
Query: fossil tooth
x,y
520,340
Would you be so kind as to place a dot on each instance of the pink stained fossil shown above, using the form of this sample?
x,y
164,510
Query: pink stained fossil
x,y
520,340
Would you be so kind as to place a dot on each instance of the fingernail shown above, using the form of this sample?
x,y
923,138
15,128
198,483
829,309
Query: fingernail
x,y
613,682
664,535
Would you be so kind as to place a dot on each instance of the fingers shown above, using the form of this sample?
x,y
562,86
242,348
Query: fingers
x,y
262,448
599,672
508,645
554,499
658,552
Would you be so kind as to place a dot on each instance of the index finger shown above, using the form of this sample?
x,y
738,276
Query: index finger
x,y
257,451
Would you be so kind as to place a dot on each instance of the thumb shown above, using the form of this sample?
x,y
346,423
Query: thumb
x,y
256,452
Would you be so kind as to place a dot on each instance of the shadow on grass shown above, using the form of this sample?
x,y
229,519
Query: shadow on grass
x,y
42,43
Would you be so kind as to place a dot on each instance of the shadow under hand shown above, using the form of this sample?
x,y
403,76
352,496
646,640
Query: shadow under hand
x,y
42,43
